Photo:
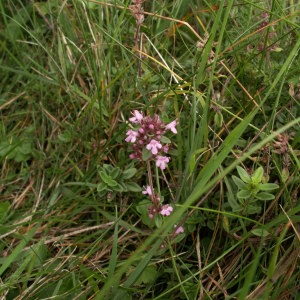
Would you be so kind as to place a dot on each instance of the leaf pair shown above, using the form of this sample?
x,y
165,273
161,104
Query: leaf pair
x,y
252,189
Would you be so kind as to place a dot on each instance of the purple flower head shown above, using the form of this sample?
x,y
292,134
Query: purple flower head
x,y
131,136
149,133
154,146
132,156
161,161
166,210
172,126
147,191
166,148
137,117
178,229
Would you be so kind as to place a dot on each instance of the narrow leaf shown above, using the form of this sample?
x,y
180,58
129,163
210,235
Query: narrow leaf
x,y
268,186
165,140
240,184
260,232
133,187
257,175
105,178
264,196
243,194
243,174
146,154
129,173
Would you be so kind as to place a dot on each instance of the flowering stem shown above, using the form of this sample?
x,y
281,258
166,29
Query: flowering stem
x,y
152,196
170,190
150,145
157,179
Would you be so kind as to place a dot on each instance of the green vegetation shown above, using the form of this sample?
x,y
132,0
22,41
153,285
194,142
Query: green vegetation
x,y
208,207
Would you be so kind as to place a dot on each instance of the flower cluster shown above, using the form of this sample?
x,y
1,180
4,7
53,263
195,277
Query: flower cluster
x,y
149,135
150,144
157,207
137,11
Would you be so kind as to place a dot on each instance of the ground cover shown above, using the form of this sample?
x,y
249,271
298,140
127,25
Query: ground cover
x,y
149,149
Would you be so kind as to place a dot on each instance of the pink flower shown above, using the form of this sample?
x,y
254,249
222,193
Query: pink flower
x,y
137,117
154,146
165,148
131,136
147,191
161,161
151,211
172,126
178,229
166,210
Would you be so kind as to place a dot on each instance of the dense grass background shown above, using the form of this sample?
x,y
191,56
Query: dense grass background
x,y
71,74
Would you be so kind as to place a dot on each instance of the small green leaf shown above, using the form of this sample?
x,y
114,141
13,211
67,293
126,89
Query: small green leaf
x,y
243,194
65,136
115,173
240,184
118,188
108,168
129,173
191,227
158,220
232,202
252,209
15,149
123,185
257,175
106,178
146,154
260,232
101,187
243,175
177,238
218,118
264,196
268,186
26,147
148,276
133,187
165,140
112,183
142,209
20,156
